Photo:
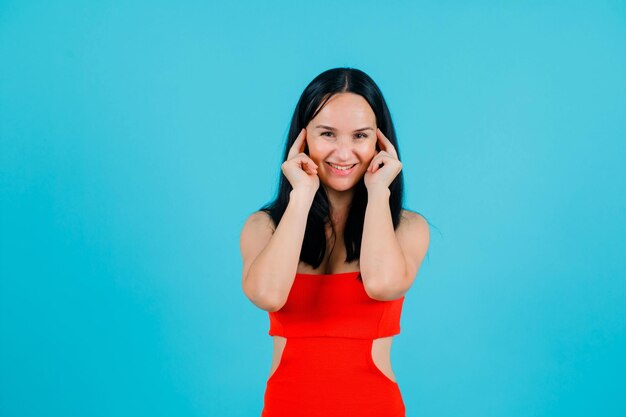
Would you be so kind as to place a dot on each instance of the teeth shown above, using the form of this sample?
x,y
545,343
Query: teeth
x,y
340,168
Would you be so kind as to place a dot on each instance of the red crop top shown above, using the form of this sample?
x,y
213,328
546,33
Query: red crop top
x,y
334,305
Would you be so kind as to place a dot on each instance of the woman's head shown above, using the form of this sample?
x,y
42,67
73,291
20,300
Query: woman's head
x,y
341,140
344,99
341,109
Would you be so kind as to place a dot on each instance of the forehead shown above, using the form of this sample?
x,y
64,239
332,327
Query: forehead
x,y
345,110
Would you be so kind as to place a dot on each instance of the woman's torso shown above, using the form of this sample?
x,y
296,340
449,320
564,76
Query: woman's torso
x,y
333,263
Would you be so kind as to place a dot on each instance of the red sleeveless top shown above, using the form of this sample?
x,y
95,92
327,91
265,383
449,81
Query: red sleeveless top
x,y
334,305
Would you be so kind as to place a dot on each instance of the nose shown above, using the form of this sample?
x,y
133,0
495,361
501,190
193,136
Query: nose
x,y
344,150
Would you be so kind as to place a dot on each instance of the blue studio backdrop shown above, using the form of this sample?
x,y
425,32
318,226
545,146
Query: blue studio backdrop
x,y
136,137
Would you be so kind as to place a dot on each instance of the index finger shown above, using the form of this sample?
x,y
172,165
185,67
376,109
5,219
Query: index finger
x,y
298,145
387,145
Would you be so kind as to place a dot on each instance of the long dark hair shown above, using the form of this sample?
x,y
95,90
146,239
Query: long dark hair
x,y
312,100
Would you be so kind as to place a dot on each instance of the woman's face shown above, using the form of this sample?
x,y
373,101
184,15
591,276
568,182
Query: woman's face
x,y
343,133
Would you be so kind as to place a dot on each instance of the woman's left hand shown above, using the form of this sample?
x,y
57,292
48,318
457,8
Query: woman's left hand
x,y
382,177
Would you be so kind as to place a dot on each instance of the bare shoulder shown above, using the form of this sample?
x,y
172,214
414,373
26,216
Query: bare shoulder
x,y
256,233
412,222
258,221
413,234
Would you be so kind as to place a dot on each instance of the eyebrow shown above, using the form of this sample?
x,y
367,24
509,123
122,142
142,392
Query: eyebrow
x,y
332,128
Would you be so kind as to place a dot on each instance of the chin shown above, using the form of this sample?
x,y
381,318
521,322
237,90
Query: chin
x,y
340,186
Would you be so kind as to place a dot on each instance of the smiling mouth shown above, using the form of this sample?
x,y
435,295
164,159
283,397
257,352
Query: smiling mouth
x,y
341,171
340,167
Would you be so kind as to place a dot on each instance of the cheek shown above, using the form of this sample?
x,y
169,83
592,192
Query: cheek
x,y
316,156
317,150
368,151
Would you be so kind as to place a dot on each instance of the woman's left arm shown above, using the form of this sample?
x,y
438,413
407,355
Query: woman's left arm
x,y
389,259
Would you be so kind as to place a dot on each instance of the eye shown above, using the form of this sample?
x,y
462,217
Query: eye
x,y
364,135
323,133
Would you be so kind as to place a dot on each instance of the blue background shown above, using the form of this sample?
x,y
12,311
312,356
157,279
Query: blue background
x,y
136,137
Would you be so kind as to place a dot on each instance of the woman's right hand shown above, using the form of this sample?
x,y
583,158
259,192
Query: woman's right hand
x,y
299,169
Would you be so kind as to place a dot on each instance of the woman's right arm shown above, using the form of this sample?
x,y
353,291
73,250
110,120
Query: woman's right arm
x,y
270,258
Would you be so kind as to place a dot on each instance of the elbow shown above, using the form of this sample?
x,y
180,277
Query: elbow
x,y
263,298
386,291
385,294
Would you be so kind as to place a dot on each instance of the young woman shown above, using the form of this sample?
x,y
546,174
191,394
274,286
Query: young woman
x,y
332,257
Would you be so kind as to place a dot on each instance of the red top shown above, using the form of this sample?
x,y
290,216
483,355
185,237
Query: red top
x,y
334,305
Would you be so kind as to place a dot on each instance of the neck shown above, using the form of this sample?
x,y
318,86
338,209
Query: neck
x,y
339,206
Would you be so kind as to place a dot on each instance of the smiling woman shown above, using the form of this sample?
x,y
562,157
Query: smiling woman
x,y
342,153
332,257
